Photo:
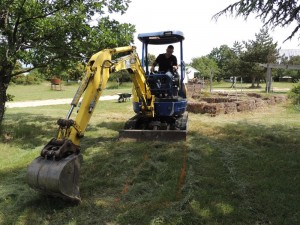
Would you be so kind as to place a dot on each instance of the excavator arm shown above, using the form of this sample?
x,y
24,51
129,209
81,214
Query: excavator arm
x,y
97,74
56,171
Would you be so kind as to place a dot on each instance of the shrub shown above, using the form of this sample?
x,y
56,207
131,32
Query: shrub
x,y
294,94
27,79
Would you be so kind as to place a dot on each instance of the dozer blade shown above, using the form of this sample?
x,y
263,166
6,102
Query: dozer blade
x,y
160,129
57,178
153,135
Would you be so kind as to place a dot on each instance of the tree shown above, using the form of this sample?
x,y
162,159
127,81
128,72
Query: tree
x,y
40,33
206,66
235,64
272,12
151,58
260,50
225,58
294,74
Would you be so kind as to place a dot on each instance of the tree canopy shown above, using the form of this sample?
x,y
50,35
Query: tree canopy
x,y
260,50
225,58
44,33
271,12
206,66
241,60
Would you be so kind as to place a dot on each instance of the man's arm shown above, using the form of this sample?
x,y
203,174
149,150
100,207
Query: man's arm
x,y
175,65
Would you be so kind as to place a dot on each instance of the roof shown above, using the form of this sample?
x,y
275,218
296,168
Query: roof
x,y
162,37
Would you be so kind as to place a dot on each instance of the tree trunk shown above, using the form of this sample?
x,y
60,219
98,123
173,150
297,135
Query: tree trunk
x,y
257,83
5,77
253,82
2,100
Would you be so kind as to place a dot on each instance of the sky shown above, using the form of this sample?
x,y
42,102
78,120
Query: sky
x,y
194,19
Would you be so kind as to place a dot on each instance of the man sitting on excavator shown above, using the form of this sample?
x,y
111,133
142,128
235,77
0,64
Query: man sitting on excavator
x,y
167,65
166,61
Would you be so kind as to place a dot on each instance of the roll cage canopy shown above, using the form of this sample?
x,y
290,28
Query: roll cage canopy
x,y
161,38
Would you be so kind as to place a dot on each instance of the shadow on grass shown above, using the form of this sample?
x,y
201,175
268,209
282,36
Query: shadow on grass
x,y
116,126
246,174
240,174
27,130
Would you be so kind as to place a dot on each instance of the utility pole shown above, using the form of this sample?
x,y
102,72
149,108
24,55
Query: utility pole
x,y
211,76
269,79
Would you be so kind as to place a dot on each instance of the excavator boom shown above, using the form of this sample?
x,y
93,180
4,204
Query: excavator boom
x,y
56,171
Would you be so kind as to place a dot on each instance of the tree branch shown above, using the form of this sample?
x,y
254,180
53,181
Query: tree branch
x,y
271,12
23,71
14,35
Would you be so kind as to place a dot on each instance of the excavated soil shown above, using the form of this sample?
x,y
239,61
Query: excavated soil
x,y
225,103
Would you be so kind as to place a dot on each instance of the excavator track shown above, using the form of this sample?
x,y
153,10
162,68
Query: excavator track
x,y
138,129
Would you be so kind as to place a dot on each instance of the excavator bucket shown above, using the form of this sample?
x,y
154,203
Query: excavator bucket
x,y
57,178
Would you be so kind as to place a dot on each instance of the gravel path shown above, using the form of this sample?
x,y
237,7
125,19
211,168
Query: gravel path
x,y
50,102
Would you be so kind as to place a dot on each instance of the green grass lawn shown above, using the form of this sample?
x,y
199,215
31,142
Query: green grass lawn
x,y
44,91
277,87
234,169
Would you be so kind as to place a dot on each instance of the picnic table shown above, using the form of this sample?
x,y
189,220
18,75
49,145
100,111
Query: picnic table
x,y
55,82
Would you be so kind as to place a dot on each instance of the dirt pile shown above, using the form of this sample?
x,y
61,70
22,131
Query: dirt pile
x,y
225,103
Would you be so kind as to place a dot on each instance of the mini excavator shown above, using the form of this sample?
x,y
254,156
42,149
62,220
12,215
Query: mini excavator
x,y
159,102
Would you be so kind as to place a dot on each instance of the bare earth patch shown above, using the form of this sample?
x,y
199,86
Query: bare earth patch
x,y
225,103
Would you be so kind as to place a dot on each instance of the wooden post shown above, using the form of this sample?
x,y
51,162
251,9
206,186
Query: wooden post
x,y
211,76
268,79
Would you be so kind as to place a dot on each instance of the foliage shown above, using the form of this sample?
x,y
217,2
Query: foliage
x,y
260,50
74,72
294,94
226,60
151,59
120,76
272,12
26,79
56,34
33,77
207,67
242,59
295,74
39,33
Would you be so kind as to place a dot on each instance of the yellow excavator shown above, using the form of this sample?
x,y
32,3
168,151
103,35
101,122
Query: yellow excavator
x,y
159,101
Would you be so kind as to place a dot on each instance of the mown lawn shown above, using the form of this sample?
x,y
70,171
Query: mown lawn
x,y
43,91
233,169
230,171
277,87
